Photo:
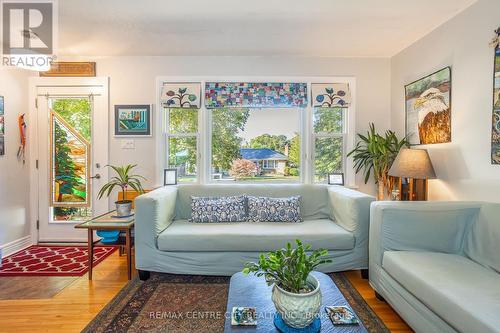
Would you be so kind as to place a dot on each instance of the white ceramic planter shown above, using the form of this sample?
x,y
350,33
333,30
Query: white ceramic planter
x,y
123,208
298,310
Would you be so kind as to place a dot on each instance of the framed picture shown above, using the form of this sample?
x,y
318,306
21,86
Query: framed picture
x,y
1,106
133,120
336,179
495,127
169,176
428,108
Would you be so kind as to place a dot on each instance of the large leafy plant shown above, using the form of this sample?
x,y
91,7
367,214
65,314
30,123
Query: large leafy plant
x,y
375,154
289,267
123,179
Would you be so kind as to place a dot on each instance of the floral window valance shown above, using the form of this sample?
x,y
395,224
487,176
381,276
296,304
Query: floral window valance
x,y
327,95
255,94
181,95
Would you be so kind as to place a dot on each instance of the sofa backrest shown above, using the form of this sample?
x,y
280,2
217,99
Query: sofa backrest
x,y
315,201
483,241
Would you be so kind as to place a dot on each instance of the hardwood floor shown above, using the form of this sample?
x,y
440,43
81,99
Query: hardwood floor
x,y
72,308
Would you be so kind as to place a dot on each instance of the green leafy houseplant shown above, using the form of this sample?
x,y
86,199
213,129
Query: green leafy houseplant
x,y
288,268
376,153
123,180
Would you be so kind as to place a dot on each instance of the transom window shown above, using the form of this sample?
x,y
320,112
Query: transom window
x,y
227,145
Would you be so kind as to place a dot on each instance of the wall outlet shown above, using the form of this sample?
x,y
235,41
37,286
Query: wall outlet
x,y
128,144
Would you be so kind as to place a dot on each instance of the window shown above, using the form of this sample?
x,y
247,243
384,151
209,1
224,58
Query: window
x,y
182,143
255,144
328,142
260,144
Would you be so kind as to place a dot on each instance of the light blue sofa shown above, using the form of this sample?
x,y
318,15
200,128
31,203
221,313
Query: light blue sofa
x,y
438,263
335,218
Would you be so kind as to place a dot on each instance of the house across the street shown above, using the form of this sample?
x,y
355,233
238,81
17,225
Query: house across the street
x,y
268,160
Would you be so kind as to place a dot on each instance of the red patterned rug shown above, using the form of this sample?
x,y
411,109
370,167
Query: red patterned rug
x,y
39,260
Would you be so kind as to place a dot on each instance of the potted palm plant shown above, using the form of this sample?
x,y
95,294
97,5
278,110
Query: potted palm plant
x,y
376,153
123,180
296,292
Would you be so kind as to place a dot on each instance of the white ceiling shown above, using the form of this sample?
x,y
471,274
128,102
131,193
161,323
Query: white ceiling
x,y
323,28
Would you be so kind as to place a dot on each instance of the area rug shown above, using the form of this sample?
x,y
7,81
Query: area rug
x,y
40,260
186,303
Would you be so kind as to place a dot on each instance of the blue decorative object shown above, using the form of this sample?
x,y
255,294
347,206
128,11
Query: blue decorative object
x,y
218,209
264,209
315,326
108,236
255,94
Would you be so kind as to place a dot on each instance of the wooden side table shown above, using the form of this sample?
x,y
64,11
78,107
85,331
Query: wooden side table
x,y
97,223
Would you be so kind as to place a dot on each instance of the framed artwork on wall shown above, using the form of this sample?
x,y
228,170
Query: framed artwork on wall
x,y
133,120
495,127
428,108
2,127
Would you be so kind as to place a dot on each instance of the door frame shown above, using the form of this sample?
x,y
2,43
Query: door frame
x,y
32,133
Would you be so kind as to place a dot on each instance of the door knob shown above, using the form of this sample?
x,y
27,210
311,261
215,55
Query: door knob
x,y
97,176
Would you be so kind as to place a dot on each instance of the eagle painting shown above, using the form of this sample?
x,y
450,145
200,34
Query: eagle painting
x,y
428,102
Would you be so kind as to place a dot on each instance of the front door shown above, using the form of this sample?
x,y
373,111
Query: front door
x,y
72,140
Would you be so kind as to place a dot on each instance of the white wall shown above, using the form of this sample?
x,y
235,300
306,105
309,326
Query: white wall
x,y
462,166
14,182
133,82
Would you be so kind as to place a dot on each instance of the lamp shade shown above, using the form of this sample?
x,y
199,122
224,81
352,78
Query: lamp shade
x,y
412,163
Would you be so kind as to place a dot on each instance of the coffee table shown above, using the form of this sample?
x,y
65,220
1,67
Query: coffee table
x,y
251,291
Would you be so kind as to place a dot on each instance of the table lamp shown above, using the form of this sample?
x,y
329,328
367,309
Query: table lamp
x,y
416,166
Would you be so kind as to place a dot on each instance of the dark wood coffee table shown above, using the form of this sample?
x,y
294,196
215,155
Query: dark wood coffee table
x,y
253,291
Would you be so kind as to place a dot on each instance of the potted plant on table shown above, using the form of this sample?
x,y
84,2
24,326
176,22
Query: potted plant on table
x,y
123,180
296,293
376,153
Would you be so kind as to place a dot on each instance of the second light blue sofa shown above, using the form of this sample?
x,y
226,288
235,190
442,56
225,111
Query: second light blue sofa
x,y
335,218
438,263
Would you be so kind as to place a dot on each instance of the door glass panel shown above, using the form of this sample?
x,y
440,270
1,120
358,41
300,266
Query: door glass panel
x,y
70,125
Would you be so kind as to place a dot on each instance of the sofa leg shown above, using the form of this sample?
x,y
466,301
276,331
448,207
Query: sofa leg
x,y
364,274
380,297
143,275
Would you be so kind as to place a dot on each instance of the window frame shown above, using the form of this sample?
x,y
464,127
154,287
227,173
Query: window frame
x,y
204,138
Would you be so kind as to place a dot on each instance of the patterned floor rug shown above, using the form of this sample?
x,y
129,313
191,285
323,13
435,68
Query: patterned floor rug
x,y
41,260
144,307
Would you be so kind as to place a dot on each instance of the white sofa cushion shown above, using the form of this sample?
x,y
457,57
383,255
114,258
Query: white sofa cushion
x,y
465,294
182,235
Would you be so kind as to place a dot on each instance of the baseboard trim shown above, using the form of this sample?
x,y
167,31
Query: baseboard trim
x,y
14,246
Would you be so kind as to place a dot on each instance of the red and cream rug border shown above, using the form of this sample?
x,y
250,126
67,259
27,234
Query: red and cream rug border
x,y
52,260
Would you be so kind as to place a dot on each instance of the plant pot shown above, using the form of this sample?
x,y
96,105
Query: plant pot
x,y
123,207
298,310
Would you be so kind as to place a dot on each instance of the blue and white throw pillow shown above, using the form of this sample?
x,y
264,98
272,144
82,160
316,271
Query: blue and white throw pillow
x,y
264,209
218,209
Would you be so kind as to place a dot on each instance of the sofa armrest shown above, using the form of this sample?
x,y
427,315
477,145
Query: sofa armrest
x,y
154,211
419,226
350,209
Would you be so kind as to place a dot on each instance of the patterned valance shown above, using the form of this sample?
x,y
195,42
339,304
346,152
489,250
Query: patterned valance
x,y
328,95
181,95
255,94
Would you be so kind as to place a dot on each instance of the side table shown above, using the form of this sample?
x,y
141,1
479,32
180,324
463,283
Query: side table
x,y
102,223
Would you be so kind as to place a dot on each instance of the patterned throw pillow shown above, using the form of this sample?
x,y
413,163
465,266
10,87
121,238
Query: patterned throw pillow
x,y
218,209
263,209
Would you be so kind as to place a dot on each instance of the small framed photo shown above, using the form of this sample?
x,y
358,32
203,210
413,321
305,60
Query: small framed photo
x,y
169,177
133,120
336,179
